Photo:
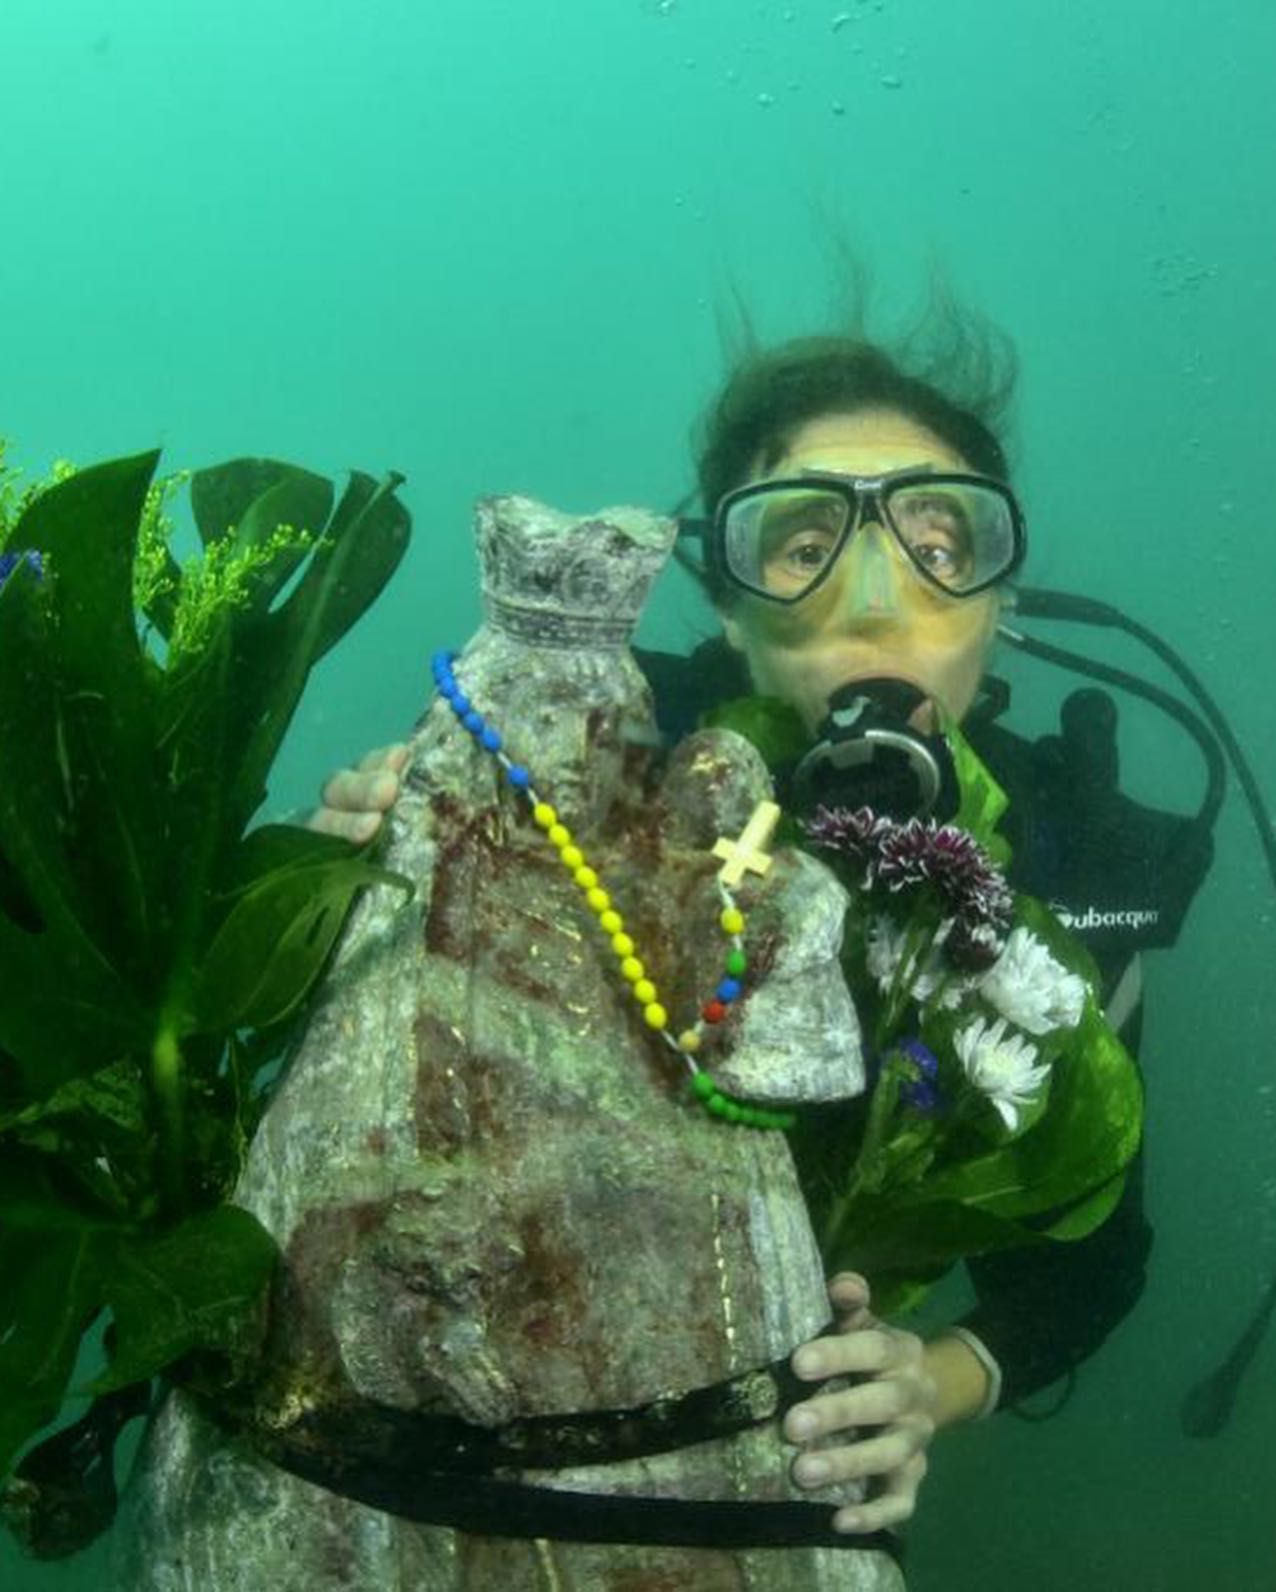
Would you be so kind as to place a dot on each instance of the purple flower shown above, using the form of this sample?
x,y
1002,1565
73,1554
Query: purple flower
x,y
854,834
908,855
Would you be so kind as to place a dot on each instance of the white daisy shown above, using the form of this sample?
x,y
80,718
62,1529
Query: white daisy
x,y
1002,1067
1030,988
885,945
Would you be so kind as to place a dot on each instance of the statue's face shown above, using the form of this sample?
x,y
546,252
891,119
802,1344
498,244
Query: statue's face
x,y
874,615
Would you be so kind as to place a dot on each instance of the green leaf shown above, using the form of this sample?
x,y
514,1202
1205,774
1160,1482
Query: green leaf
x,y
921,1238
53,1268
1089,1213
111,1098
1087,1136
249,497
92,751
983,802
278,933
59,1301
200,1286
65,1005
771,725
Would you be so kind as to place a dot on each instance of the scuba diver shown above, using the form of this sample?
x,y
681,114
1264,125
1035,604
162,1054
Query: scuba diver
x,y
863,539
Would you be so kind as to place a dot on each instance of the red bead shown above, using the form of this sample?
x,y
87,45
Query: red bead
x,y
713,1012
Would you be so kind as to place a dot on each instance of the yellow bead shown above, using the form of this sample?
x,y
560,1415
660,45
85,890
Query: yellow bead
x,y
689,1041
544,815
655,1014
573,857
598,899
560,835
632,968
732,920
622,945
644,991
611,922
586,878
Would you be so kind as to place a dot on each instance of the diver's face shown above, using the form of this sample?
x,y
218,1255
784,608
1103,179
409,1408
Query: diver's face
x,y
874,615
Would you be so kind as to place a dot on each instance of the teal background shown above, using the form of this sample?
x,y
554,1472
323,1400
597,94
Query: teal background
x,y
485,242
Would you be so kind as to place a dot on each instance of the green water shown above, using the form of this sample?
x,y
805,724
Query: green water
x,y
483,242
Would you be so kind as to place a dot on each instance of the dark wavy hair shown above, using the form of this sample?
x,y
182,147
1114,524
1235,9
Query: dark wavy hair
x,y
954,372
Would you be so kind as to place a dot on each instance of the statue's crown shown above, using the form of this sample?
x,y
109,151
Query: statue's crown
x,y
552,579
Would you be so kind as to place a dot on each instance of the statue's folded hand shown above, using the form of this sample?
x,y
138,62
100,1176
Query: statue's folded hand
x,y
353,801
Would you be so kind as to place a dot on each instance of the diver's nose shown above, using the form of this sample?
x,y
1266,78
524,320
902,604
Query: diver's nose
x,y
870,575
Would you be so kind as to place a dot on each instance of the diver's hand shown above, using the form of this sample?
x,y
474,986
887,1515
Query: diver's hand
x,y
898,1400
354,801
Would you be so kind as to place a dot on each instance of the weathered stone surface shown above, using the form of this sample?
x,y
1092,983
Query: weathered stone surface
x,y
494,1192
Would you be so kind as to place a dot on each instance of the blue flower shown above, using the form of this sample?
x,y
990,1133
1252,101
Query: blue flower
x,y
10,561
924,1098
923,1058
920,1092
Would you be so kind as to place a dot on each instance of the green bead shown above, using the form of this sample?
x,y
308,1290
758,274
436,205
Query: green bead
x,y
734,1112
717,1104
703,1086
736,963
752,1117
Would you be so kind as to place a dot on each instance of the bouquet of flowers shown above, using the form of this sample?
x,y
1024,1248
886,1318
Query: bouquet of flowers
x,y
1001,1110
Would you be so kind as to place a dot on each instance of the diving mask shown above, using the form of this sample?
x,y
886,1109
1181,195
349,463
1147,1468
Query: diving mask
x,y
780,539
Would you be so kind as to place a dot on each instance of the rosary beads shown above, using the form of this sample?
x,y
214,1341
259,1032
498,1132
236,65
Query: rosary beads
x,y
737,856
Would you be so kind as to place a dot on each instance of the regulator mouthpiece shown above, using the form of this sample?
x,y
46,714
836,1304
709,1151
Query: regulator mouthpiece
x,y
868,755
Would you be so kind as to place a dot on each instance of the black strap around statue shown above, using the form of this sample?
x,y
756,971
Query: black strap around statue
x,y
437,1470
488,1508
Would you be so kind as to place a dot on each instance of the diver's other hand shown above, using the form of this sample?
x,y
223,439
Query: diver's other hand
x,y
353,801
895,1395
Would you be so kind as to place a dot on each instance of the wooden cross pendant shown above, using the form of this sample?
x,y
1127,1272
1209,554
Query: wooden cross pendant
x,y
748,852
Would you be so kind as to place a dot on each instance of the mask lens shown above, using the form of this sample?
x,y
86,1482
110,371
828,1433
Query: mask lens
x,y
960,533
780,542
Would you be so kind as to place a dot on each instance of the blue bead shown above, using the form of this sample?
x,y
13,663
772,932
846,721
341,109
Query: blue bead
x,y
729,989
473,722
518,775
441,662
461,704
490,739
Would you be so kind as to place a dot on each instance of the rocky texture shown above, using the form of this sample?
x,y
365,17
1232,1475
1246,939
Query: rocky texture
x,y
494,1192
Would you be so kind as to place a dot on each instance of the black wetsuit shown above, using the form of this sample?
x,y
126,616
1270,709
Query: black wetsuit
x,y
1121,877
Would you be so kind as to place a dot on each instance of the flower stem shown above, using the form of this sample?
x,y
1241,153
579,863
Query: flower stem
x,y
168,1081
918,940
865,1171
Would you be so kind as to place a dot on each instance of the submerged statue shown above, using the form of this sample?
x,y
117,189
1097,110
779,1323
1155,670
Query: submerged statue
x,y
539,1289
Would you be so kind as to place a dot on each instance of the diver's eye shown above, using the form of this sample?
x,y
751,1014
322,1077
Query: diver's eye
x,y
936,530
940,559
807,552
796,561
